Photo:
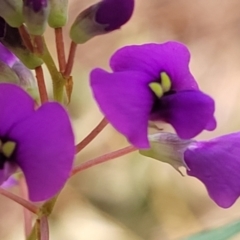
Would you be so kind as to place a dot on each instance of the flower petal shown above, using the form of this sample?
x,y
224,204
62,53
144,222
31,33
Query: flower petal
x,y
45,150
217,164
6,56
171,57
189,112
15,105
126,101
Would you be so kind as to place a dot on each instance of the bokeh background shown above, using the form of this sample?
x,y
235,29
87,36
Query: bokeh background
x,y
134,197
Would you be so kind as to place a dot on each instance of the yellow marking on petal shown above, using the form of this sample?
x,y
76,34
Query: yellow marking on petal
x,y
157,89
8,148
165,82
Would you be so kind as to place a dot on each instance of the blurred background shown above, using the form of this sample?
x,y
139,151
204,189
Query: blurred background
x,y
134,197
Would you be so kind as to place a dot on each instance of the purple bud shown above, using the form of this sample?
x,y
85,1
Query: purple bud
x,y
35,13
100,18
114,13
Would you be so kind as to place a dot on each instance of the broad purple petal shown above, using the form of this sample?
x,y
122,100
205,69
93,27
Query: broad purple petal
x,y
15,105
45,150
6,56
171,57
114,13
189,112
217,164
126,101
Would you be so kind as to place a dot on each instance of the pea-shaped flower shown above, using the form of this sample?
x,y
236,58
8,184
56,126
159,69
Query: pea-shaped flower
x,y
152,82
40,142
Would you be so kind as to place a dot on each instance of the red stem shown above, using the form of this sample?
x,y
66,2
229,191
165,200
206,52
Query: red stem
x,y
60,49
70,60
41,84
25,37
102,159
91,135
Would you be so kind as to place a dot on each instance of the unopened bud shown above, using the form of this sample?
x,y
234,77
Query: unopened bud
x,y
11,11
26,78
35,13
12,40
58,13
101,18
7,75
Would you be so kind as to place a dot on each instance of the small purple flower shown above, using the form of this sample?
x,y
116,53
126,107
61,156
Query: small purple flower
x,y
152,82
217,164
107,13
40,142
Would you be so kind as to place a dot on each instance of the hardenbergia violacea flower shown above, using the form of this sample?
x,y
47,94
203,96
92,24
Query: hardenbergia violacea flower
x,y
39,141
152,82
216,162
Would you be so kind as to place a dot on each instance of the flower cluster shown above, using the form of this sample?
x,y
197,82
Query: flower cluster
x,y
148,85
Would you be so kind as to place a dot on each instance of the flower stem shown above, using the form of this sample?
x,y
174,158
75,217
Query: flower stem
x,y
25,37
102,159
41,84
57,78
26,204
27,214
44,228
60,49
70,60
91,135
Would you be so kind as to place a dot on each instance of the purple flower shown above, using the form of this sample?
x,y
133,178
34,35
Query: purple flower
x,y
107,13
217,164
152,82
40,142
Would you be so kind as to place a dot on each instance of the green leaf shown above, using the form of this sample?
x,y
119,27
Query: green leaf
x,y
221,233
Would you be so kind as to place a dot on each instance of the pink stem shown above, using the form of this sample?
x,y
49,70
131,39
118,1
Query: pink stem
x,y
102,159
26,204
91,135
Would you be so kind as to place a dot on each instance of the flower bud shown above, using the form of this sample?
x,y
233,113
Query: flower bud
x,y
12,40
58,13
11,11
7,75
101,18
26,79
167,147
35,13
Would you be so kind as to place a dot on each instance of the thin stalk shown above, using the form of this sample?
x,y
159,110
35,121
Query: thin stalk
x,y
27,214
44,228
58,80
26,204
91,135
25,37
70,60
60,49
102,159
41,84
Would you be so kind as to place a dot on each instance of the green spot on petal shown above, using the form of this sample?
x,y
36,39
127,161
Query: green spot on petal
x,y
165,82
8,148
157,89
